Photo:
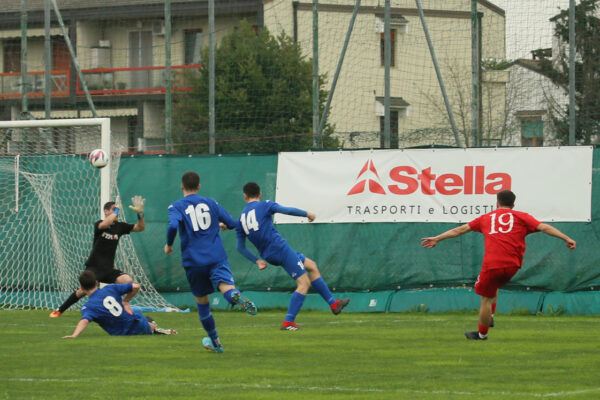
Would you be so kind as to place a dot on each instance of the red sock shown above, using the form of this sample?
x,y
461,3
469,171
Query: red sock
x,y
494,308
483,329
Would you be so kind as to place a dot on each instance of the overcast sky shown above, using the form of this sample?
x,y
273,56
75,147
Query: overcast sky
x,y
527,25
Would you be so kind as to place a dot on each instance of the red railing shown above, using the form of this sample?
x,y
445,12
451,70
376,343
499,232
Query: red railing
x,y
100,81
133,80
10,84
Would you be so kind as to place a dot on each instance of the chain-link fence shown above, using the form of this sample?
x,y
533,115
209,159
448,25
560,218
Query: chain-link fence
x,y
293,75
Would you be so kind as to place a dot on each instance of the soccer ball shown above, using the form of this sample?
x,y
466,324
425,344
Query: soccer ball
x,y
98,158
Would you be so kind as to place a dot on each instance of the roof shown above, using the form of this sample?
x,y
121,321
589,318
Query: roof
x,y
10,10
533,65
394,101
8,6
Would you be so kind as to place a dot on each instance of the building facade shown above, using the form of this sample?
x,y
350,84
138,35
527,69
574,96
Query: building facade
x,y
120,46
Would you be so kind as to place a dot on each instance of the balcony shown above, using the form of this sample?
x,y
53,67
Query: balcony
x,y
10,84
100,82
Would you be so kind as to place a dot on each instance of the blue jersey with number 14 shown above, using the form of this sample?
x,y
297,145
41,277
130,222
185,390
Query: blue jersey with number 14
x,y
197,219
256,223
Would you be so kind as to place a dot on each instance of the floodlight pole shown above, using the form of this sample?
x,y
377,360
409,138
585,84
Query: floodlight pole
x,y
317,142
572,119
439,74
24,77
168,94
211,77
48,60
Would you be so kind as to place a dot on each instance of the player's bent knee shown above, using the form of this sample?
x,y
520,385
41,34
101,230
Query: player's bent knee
x,y
310,264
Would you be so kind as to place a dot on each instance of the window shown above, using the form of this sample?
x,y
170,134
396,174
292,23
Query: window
x,y
61,59
532,132
193,41
393,45
393,130
12,55
140,55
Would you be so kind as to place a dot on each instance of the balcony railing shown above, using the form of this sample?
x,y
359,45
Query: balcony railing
x,y
133,80
100,81
11,82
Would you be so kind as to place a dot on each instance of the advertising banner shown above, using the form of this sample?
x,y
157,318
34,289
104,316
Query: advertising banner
x,y
435,185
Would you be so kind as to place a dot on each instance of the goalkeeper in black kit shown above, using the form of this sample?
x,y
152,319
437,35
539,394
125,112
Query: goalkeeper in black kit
x,y
101,261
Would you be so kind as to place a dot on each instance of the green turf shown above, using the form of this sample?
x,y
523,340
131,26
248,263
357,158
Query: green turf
x,y
351,356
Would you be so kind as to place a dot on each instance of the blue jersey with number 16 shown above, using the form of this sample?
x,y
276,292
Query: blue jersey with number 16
x,y
197,219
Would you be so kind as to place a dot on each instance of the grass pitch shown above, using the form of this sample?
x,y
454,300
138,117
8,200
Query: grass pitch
x,y
350,356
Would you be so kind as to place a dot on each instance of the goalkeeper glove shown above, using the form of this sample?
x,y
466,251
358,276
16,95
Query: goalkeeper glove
x,y
138,205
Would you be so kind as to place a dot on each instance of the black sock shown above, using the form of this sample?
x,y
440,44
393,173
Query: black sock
x,y
69,302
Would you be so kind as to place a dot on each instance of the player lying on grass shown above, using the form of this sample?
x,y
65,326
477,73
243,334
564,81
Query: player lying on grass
x,y
101,261
504,232
256,224
112,312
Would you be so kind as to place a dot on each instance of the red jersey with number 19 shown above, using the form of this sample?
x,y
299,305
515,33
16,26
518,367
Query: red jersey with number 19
x,y
504,232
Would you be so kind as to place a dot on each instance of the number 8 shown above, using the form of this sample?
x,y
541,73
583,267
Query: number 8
x,y
112,305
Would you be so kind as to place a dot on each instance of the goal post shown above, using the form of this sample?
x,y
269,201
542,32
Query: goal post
x,y
104,143
50,197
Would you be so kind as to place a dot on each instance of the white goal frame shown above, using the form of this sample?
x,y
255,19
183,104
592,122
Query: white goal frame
x,y
40,293
103,123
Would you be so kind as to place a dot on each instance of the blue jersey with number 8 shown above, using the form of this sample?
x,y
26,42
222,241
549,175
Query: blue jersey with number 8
x,y
106,308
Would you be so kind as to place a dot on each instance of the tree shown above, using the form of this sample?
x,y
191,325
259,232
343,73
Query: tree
x,y
587,72
263,98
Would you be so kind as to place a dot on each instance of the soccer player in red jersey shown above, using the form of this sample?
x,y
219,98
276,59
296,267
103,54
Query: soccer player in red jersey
x,y
504,231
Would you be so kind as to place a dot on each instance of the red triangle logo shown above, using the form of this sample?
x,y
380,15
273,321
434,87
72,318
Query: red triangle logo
x,y
358,188
374,186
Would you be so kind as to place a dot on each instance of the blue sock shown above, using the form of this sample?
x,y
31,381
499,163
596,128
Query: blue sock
x,y
295,306
208,322
321,287
230,293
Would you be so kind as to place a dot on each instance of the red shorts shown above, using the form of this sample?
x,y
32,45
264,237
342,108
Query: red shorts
x,y
490,280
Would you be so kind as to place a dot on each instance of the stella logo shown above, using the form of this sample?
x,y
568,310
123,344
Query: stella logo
x,y
474,180
373,185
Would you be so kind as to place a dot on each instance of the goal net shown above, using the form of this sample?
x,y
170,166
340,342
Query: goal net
x,y
50,197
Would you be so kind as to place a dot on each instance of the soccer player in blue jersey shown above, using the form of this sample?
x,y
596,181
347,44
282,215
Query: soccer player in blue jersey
x,y
111,311
203,256
256,224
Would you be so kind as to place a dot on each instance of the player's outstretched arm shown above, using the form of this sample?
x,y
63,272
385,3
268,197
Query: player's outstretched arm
x,y
552,231
430,242
83,323
109,220
278,208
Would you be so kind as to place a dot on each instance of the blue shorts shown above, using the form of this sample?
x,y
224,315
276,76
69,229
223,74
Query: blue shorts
x,y
204,280
140,325
290,260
